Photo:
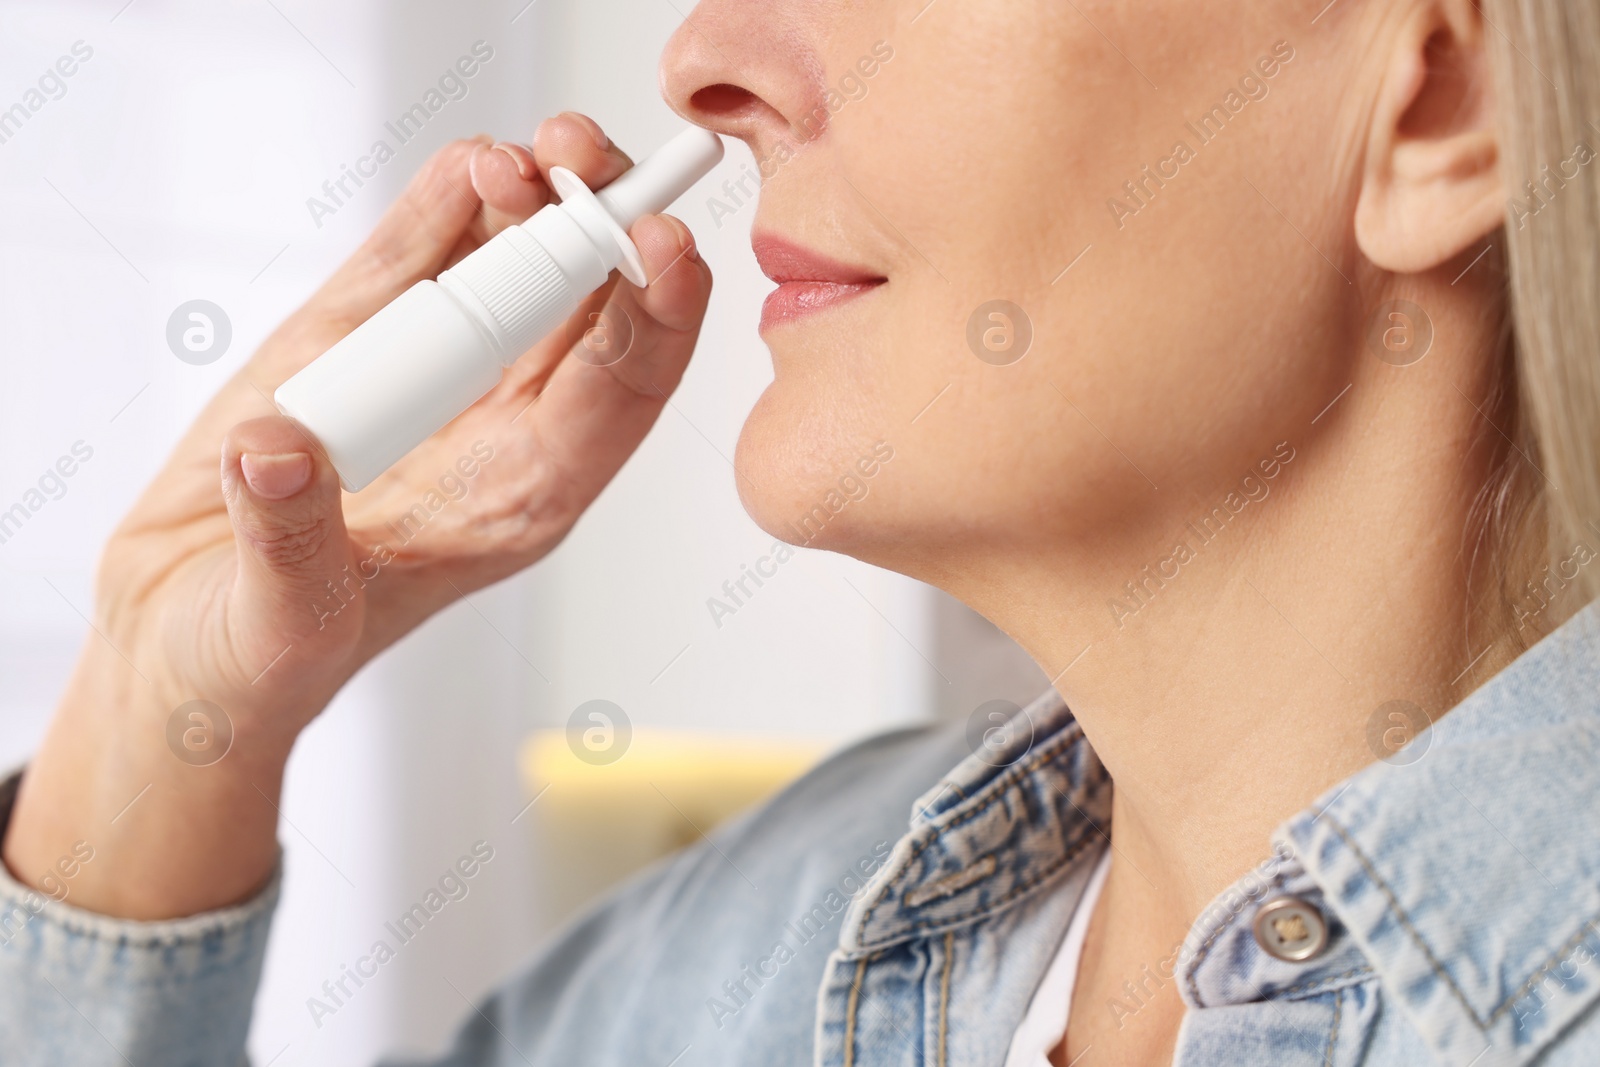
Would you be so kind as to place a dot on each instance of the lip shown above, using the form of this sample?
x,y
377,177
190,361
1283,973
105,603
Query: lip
x,y
808,281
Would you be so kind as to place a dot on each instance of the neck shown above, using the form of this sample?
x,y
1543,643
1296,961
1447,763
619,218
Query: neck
x,y
1239,674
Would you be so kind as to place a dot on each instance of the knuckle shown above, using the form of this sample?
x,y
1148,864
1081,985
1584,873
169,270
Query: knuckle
x,y
325,320
286,547
414,247
462,148
638,378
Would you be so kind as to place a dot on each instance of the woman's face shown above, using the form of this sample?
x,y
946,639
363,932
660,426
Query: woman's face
x,y
1158,194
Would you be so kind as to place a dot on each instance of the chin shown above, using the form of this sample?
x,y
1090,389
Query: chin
x,y
807,478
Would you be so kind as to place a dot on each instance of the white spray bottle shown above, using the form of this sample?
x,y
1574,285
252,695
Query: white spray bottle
x,y
441,345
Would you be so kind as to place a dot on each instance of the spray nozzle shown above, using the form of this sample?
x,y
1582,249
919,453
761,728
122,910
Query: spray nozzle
x,y
645,189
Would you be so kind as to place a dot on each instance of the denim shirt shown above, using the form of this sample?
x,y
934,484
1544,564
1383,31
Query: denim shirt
x,y
1458,887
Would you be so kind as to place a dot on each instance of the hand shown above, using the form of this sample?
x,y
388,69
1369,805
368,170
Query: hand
x,y
263,592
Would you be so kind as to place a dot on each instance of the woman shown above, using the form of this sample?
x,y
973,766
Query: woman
x,y
1239,362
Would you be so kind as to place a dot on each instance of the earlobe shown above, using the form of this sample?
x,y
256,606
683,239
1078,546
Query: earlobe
x,y
1431,184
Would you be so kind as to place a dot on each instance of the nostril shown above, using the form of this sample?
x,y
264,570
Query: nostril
x,y
722,100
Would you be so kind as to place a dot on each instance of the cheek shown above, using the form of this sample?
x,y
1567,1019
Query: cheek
x,y
915,191
1168,353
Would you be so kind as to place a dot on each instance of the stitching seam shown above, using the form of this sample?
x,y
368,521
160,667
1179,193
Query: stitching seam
x,y
1200,957
1554,961
944,998
850,1014
960,793
1326,982
1405,920
951,884
936,925
1333,1033
1482,1023
1000,789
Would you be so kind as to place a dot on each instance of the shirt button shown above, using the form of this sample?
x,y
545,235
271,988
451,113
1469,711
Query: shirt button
x,y
1289,929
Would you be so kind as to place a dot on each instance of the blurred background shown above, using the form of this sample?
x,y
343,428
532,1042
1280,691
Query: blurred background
x,y
176,164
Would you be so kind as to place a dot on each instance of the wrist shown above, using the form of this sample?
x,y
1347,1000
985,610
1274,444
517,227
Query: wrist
x,y
177,819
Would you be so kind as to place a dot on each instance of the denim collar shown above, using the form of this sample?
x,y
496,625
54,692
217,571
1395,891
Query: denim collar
x,y
1469,878
1025,810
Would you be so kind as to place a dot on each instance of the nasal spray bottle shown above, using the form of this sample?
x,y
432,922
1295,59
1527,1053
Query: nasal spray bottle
x,y
441,345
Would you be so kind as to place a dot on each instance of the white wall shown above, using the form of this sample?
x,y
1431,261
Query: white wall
x,y
181,156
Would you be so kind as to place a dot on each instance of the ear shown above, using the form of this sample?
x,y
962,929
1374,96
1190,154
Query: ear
x,y
1431,185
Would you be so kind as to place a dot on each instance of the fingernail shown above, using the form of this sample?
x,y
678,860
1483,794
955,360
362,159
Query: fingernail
x,y
593,127
472,162
519,155
276,477
689,250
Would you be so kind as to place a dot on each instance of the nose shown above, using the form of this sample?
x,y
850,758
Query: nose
x,y
747,69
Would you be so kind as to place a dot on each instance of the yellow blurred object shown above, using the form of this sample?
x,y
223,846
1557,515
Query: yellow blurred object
x,y
595,823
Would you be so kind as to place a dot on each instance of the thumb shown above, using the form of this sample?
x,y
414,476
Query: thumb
x,y
293,583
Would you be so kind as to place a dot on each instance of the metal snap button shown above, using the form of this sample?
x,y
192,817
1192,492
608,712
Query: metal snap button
x,y
1289,929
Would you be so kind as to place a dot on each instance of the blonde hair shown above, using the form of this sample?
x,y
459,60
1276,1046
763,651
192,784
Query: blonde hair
x,y
1545,59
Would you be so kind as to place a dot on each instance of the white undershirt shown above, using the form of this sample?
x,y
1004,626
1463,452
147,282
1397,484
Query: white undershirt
x,y
1045,1024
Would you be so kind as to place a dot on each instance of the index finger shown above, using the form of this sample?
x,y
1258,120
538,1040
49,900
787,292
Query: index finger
x,y
577,143
514,179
